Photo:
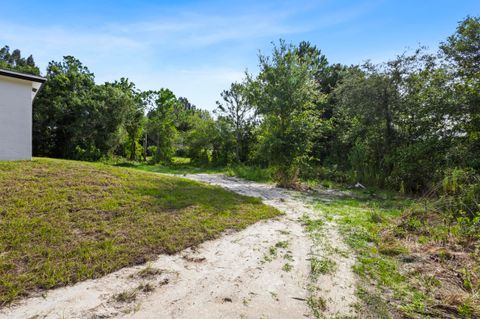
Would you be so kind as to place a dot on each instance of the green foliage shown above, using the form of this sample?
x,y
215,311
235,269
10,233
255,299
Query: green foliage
x,y
459,194
15,62
284,95
462,52
60,110
134,124
462,47
403,124
252,173
200,139
390,121
161,124
237,113
75,118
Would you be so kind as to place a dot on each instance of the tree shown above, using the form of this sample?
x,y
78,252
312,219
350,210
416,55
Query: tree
x,y
369,97
15,62
463,47
108,108
134,116
183,113
59,108
462,51
75,118
284,95
237,112
392,119
200,139
326,76
161,123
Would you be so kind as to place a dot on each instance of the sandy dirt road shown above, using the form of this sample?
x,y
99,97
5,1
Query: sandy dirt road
x,y
260,272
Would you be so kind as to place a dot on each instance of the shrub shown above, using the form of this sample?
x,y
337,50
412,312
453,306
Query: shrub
x,y
460,194
253,173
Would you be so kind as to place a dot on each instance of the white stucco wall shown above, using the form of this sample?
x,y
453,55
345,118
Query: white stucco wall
x,y
15,119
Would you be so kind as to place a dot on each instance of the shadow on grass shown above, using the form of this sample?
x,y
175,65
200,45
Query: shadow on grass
x,y
182,166
67,221
179,165
125,164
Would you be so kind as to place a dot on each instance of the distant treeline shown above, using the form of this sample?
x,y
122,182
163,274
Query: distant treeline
x,y
404,124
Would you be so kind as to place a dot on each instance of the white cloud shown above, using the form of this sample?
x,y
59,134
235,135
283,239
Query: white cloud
x,y
198,30
184,50
201,86
66,38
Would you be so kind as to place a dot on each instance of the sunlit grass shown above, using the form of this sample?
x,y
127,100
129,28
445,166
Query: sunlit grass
x,y
372,226
63,221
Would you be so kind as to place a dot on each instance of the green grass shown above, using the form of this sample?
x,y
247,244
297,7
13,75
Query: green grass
x,y
63,221
179,165
287,267
252,173
183,165
380,232
322,266
361,226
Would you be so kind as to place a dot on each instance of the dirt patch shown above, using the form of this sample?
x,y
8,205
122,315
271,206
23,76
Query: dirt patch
x,y
263,271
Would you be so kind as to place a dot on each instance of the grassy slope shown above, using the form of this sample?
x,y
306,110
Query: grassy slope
x,y
64,221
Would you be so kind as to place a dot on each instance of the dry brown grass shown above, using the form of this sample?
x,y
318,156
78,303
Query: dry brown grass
x,y
447,269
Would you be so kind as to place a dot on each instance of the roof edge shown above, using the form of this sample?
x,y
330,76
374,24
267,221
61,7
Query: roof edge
x,y
22,76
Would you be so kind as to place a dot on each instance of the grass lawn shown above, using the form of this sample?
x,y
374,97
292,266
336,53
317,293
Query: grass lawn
x,y
63,221
179,165
182,165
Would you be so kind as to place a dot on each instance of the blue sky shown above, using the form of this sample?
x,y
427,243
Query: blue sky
x,y
197,48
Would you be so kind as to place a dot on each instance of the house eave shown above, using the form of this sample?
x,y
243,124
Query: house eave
x,y
37,81
22,76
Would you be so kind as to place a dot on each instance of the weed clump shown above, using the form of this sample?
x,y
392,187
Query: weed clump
x,y
126,296
322,266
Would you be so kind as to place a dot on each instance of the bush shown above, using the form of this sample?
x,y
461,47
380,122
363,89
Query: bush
x,y
253,173
468,228
460,193
90,153
413,166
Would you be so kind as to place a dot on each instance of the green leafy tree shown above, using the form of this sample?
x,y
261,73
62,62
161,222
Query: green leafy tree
x,y
15,62
75,118
135,104
284,95
184,111
393,121
368,97
201,138
237,113
326,76
161,124
59,108
462,51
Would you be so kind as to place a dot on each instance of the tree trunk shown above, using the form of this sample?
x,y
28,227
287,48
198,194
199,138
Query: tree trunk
x,y
158,149
237,148
133,147
145,147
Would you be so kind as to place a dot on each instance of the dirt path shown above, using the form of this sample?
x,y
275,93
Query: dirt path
x,y
260,272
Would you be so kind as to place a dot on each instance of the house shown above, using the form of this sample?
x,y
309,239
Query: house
x,y
17,91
